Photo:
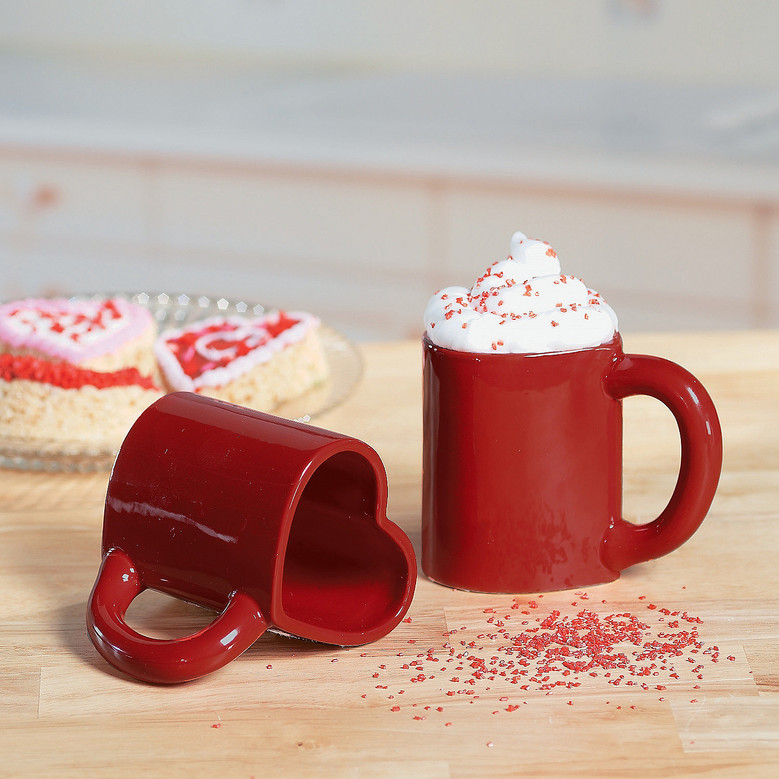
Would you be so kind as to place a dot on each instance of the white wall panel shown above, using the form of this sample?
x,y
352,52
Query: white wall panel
x,y
656,256
298,219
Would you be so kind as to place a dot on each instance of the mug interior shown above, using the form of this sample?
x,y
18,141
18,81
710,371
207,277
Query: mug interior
x,y
342,572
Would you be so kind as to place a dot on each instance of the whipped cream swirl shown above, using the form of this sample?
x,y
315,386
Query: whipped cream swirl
x,y
523,304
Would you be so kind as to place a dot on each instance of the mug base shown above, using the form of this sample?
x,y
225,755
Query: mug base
x,y
522,588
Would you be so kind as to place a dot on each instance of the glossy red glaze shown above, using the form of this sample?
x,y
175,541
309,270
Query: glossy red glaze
x,y
522,466
275,524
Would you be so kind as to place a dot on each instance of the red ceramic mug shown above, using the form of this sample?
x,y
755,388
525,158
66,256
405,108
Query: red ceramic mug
x,y
522,466
276,525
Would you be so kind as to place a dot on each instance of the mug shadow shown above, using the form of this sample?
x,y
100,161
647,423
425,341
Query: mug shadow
x,y
157,615
72,629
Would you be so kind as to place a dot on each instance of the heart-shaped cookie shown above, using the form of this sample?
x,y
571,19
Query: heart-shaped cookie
x,y
105,334
257,361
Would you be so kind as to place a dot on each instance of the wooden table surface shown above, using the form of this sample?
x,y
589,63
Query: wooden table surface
x,y
414,704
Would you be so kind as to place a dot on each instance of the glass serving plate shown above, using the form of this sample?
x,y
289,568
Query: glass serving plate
x,y
175,310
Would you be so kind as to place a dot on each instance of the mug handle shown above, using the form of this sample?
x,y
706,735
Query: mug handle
x,y
625,544
163,661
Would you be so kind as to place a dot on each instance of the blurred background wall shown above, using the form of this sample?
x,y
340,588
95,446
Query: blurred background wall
x,y
350,157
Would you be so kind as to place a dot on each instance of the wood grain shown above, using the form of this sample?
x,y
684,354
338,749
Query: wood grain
x,y
290,708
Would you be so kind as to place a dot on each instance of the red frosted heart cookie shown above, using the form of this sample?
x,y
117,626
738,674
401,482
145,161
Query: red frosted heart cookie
x,y
100,334
257,362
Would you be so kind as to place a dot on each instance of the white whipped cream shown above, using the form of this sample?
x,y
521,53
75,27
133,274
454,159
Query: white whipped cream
x,y
521,305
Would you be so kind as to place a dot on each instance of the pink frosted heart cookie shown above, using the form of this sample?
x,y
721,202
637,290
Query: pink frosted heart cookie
x,y
257,362
103,335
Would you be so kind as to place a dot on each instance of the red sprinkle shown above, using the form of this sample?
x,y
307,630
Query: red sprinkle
x,y
62,374
556,651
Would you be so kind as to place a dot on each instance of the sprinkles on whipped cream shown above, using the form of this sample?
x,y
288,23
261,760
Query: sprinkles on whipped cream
x,y
523,304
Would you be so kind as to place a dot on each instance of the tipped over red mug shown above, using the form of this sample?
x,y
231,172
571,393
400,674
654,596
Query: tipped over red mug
x,y
522,466
274,524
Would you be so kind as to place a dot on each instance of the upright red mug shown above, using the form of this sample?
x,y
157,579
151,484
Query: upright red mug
x,y
275,524
522,466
